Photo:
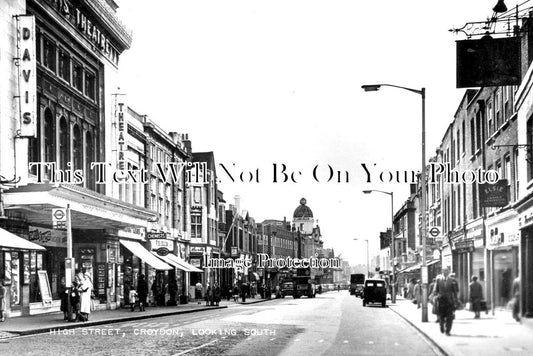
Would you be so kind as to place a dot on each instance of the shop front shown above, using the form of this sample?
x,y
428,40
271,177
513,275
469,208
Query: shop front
x,y
97,224
525,224
18,270
503,237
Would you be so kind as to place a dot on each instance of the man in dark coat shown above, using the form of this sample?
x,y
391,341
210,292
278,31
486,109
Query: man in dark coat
x,y
476,295
142,292
446,289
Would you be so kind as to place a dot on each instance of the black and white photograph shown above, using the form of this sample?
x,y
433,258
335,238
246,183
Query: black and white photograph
x,y
283,177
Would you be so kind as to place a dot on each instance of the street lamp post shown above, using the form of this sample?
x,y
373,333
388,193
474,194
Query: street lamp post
x,y
423,270
392,243
367,259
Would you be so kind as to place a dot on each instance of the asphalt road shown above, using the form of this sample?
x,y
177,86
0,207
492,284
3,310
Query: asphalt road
x,y
334,323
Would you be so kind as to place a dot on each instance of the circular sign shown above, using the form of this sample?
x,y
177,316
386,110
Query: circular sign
x,y
59,214
434,231
162,251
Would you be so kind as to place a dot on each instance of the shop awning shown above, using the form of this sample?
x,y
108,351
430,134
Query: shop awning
x,y
88,209
138,250
177,262
10,240
417,266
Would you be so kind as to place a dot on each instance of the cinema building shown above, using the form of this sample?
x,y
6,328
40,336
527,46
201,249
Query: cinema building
x,y
56,106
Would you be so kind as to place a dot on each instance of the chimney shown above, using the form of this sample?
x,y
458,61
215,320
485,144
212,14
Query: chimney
x,y
238,204
187,143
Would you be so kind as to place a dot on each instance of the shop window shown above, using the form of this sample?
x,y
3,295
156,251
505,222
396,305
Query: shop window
x,y
38,46
77,147
90,85
77,75
49,55
64,65
64,147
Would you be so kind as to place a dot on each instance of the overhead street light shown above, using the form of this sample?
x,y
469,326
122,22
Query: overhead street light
x,y
392,246
423,270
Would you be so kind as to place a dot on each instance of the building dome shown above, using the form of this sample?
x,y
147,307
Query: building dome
x,y
302,211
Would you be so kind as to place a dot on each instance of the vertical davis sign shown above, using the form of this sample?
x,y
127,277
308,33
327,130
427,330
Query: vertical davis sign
x,y
27,78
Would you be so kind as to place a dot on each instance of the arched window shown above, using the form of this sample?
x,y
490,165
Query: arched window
x,y
89,154
49,137
77,148
64,148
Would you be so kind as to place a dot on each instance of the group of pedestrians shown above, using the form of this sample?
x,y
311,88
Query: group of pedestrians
x,y
80,297
443,294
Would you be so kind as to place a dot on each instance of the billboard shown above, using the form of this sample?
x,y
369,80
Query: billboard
x,y
27,79
488,62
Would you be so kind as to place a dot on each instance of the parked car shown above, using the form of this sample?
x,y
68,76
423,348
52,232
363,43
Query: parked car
x,y
375,291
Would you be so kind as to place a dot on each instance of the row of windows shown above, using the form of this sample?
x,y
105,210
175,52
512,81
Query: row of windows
x,y
56,138
59,61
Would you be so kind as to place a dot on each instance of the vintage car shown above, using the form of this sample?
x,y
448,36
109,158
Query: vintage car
x,y
375,291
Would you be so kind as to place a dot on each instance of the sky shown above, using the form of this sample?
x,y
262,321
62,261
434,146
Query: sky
x,y
267,84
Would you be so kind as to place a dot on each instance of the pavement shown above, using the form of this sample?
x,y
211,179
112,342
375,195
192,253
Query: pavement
x,y
45,323
493,334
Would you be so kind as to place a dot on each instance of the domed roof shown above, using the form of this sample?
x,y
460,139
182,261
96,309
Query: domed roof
x,y
302,211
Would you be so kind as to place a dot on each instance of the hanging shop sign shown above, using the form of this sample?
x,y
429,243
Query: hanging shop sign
x,y
494,195
156,235
27,78
488,62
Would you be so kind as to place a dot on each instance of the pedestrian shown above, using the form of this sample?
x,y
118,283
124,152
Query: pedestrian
x,y
476,295
217,294
338,288
432,298
417,294
235,293
446,290
516,298
411,288
63,296
132,296
198,292
3,292
142,292
209,295
75,296
243,292
85,289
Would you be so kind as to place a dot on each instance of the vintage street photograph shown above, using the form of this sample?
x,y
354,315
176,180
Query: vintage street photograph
x,y
283,177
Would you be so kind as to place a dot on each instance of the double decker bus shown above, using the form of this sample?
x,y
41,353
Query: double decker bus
x,y
357,283
304,283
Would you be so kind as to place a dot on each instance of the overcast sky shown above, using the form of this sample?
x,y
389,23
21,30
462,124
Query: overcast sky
x,y
279,82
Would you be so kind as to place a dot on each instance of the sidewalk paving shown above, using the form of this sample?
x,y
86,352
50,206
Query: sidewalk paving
x,y
497,334
42,323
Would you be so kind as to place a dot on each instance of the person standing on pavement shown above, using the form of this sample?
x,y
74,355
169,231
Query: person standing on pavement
x,y
85,289
476,295
217,294
417,294
516,298
142,292
3,292
198,292
446,290
63,295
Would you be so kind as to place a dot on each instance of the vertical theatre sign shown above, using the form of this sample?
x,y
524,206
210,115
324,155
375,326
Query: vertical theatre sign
x,y
121,125
27,75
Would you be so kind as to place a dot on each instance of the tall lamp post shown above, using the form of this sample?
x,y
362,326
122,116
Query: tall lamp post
x,y
392,246
424,269
367,259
